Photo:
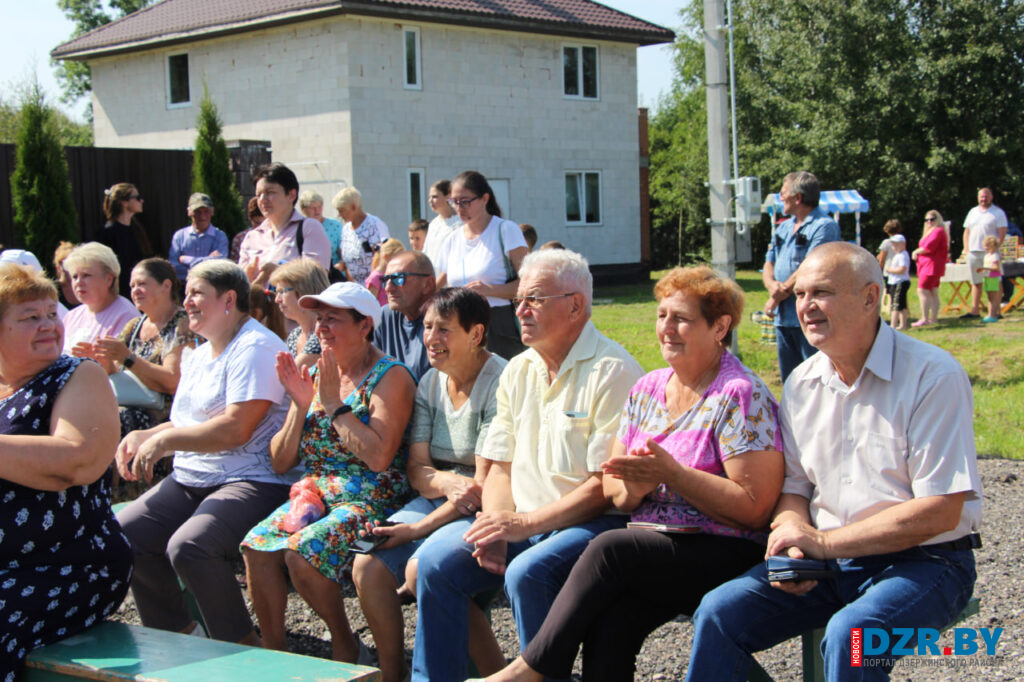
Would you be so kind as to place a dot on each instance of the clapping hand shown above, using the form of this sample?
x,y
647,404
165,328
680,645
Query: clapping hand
x,y
296,381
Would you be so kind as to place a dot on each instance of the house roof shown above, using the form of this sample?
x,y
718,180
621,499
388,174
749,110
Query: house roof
x,y
177,21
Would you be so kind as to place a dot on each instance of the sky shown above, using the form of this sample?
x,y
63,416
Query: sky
x,y
34,28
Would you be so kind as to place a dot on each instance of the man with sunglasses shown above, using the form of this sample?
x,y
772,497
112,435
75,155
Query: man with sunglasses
x,y
808,227
409,283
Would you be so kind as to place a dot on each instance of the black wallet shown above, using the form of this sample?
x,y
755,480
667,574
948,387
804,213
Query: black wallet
x,y
784,569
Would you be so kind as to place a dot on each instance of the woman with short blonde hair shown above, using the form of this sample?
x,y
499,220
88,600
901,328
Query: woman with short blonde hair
x,y
289,283
94,271
362,232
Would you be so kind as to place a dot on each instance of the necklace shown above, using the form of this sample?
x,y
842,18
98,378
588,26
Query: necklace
x,y
677,402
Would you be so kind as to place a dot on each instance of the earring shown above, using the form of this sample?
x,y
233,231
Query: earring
x,y
227,312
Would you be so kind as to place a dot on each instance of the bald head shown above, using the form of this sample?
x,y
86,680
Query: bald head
x,y
853,267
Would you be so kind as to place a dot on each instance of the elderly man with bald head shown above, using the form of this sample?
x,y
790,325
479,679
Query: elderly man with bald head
x,y
409,282
881,483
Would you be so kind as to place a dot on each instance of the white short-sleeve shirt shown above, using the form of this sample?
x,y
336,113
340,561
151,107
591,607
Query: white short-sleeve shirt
x,y
481,258
982,223
903,430
243,371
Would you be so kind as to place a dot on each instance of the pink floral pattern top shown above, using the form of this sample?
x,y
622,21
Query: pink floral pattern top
x,y
736,414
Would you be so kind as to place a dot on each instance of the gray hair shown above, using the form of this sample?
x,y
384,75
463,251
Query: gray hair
x,y
863,265
224,275
806,185
94,253
570,268
348,196
309,197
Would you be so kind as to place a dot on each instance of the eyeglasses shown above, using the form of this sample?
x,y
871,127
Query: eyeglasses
x,y
461,203
398,278
534,302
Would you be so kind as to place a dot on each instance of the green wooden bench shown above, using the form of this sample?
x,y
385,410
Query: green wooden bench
x,y
814,664
115,651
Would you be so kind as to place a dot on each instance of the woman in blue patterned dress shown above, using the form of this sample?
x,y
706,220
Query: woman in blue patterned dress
x,y
64,562
346,422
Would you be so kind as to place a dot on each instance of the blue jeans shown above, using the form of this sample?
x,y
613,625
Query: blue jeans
x,y
793,349
448,576
915,588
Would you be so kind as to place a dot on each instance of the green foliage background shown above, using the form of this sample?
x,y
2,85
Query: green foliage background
x,y
211,169
916,104
44,213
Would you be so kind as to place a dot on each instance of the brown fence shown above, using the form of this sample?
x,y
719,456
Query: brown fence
x,y
162,176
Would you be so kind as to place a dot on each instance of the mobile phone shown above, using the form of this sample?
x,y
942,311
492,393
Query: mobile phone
x,y
784,569
370,541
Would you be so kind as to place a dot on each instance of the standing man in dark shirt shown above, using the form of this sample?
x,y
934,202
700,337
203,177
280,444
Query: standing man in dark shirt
x,y
409,281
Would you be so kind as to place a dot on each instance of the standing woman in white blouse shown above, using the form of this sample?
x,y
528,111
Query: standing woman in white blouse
x,y
484,255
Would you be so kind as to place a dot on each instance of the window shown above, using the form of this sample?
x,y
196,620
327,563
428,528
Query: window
x,y
417,194
411,52
177,81
579,71
583,197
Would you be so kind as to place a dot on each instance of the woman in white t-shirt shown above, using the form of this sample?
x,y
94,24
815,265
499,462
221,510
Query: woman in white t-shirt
x,y
228,406
484,255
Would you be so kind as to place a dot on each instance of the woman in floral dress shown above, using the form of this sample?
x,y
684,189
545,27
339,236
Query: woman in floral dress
x,y
346,423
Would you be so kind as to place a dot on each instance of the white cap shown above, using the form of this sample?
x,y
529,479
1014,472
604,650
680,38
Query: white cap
x,y
21,257
899,238
347,295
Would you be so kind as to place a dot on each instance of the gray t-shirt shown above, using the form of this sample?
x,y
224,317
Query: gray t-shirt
x,y
456,435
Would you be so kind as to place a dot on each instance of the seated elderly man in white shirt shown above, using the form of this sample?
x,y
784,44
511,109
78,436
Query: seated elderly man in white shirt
x,y
557,414
881,483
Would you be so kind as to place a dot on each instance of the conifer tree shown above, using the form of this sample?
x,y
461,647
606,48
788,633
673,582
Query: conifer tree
x,y
211,170
44,213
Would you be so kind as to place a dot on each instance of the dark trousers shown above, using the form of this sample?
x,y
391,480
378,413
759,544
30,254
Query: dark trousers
x,y
194,533
626,584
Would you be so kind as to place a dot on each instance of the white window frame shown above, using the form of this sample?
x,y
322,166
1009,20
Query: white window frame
x,y
578,48
167,77
409,175
418,85
582,188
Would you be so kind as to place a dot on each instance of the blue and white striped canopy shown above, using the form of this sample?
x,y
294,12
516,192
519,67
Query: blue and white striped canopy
x,y
833,201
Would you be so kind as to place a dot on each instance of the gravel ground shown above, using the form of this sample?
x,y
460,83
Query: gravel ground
x,y
1000,588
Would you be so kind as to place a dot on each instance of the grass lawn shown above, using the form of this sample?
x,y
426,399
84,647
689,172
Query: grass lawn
x,y
993,355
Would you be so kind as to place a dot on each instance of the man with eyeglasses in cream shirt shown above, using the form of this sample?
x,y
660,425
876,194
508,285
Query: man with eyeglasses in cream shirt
x,y
558,412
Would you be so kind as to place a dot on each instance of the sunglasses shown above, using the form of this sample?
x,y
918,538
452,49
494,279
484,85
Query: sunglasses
x,y
398,278
376,247
929,220
461,203
135,196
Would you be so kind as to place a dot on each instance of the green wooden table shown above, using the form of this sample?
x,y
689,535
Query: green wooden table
x,y
115,651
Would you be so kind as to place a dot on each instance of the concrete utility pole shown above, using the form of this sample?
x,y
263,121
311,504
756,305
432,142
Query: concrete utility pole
x,y
723,249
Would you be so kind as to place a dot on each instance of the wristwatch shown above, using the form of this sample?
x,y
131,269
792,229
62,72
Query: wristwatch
x,y
344,409
128,361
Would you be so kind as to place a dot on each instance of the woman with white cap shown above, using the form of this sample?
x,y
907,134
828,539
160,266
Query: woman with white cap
x,y
346,423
